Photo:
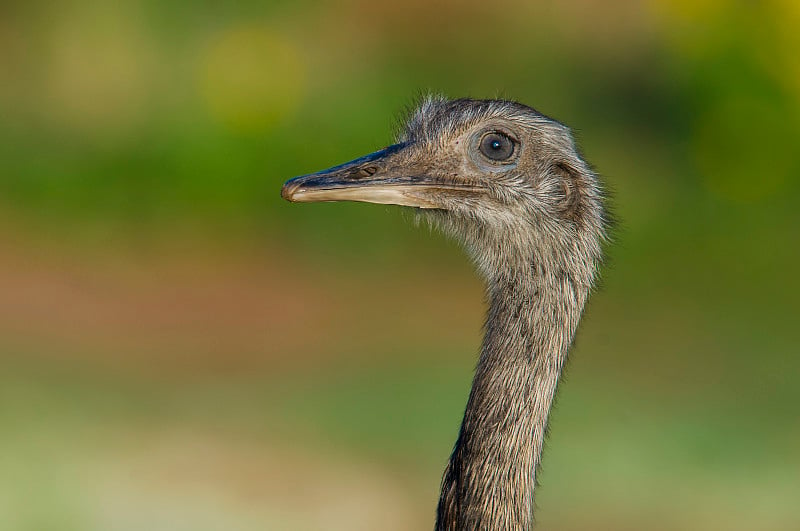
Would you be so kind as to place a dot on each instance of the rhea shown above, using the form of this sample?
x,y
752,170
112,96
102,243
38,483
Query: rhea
x,y
511,186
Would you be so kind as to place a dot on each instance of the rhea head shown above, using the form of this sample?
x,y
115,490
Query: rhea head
x,y
499,176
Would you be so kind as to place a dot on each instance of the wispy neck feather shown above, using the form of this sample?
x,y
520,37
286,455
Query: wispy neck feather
x,y
489,481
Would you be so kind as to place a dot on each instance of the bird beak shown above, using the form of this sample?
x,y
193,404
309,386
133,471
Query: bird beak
x,y
383,177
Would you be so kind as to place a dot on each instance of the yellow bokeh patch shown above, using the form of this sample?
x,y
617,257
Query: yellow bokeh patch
x,y
251,78
783,57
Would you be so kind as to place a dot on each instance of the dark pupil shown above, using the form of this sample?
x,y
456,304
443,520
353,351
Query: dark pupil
x,y
496,146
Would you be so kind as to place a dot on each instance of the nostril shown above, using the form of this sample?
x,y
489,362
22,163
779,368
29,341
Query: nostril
x,y
367,171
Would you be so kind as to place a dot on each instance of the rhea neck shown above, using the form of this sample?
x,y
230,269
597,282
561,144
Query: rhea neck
x,y
533,313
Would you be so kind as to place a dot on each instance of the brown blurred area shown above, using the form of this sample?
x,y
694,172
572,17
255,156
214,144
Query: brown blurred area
x,y
223,306
181,349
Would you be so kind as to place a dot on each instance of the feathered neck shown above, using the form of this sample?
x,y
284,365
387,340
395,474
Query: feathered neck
x,y
531,321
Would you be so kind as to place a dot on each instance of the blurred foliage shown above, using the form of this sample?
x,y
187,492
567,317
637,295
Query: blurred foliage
x,y
144,124
141,112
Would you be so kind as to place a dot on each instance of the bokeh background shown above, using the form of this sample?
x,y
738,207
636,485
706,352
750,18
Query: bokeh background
x,y
181,350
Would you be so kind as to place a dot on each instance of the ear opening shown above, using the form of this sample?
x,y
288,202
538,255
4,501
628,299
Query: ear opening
x,y
571,206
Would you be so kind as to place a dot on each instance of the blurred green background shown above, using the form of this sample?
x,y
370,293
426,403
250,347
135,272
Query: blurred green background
x,y
181,350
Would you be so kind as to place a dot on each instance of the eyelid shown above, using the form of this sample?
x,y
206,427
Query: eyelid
x,y
501,131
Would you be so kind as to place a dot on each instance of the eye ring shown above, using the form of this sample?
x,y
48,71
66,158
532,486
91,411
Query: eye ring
x,y
496,146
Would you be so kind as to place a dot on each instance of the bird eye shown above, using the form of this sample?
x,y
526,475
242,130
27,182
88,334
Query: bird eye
x,y
496,146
